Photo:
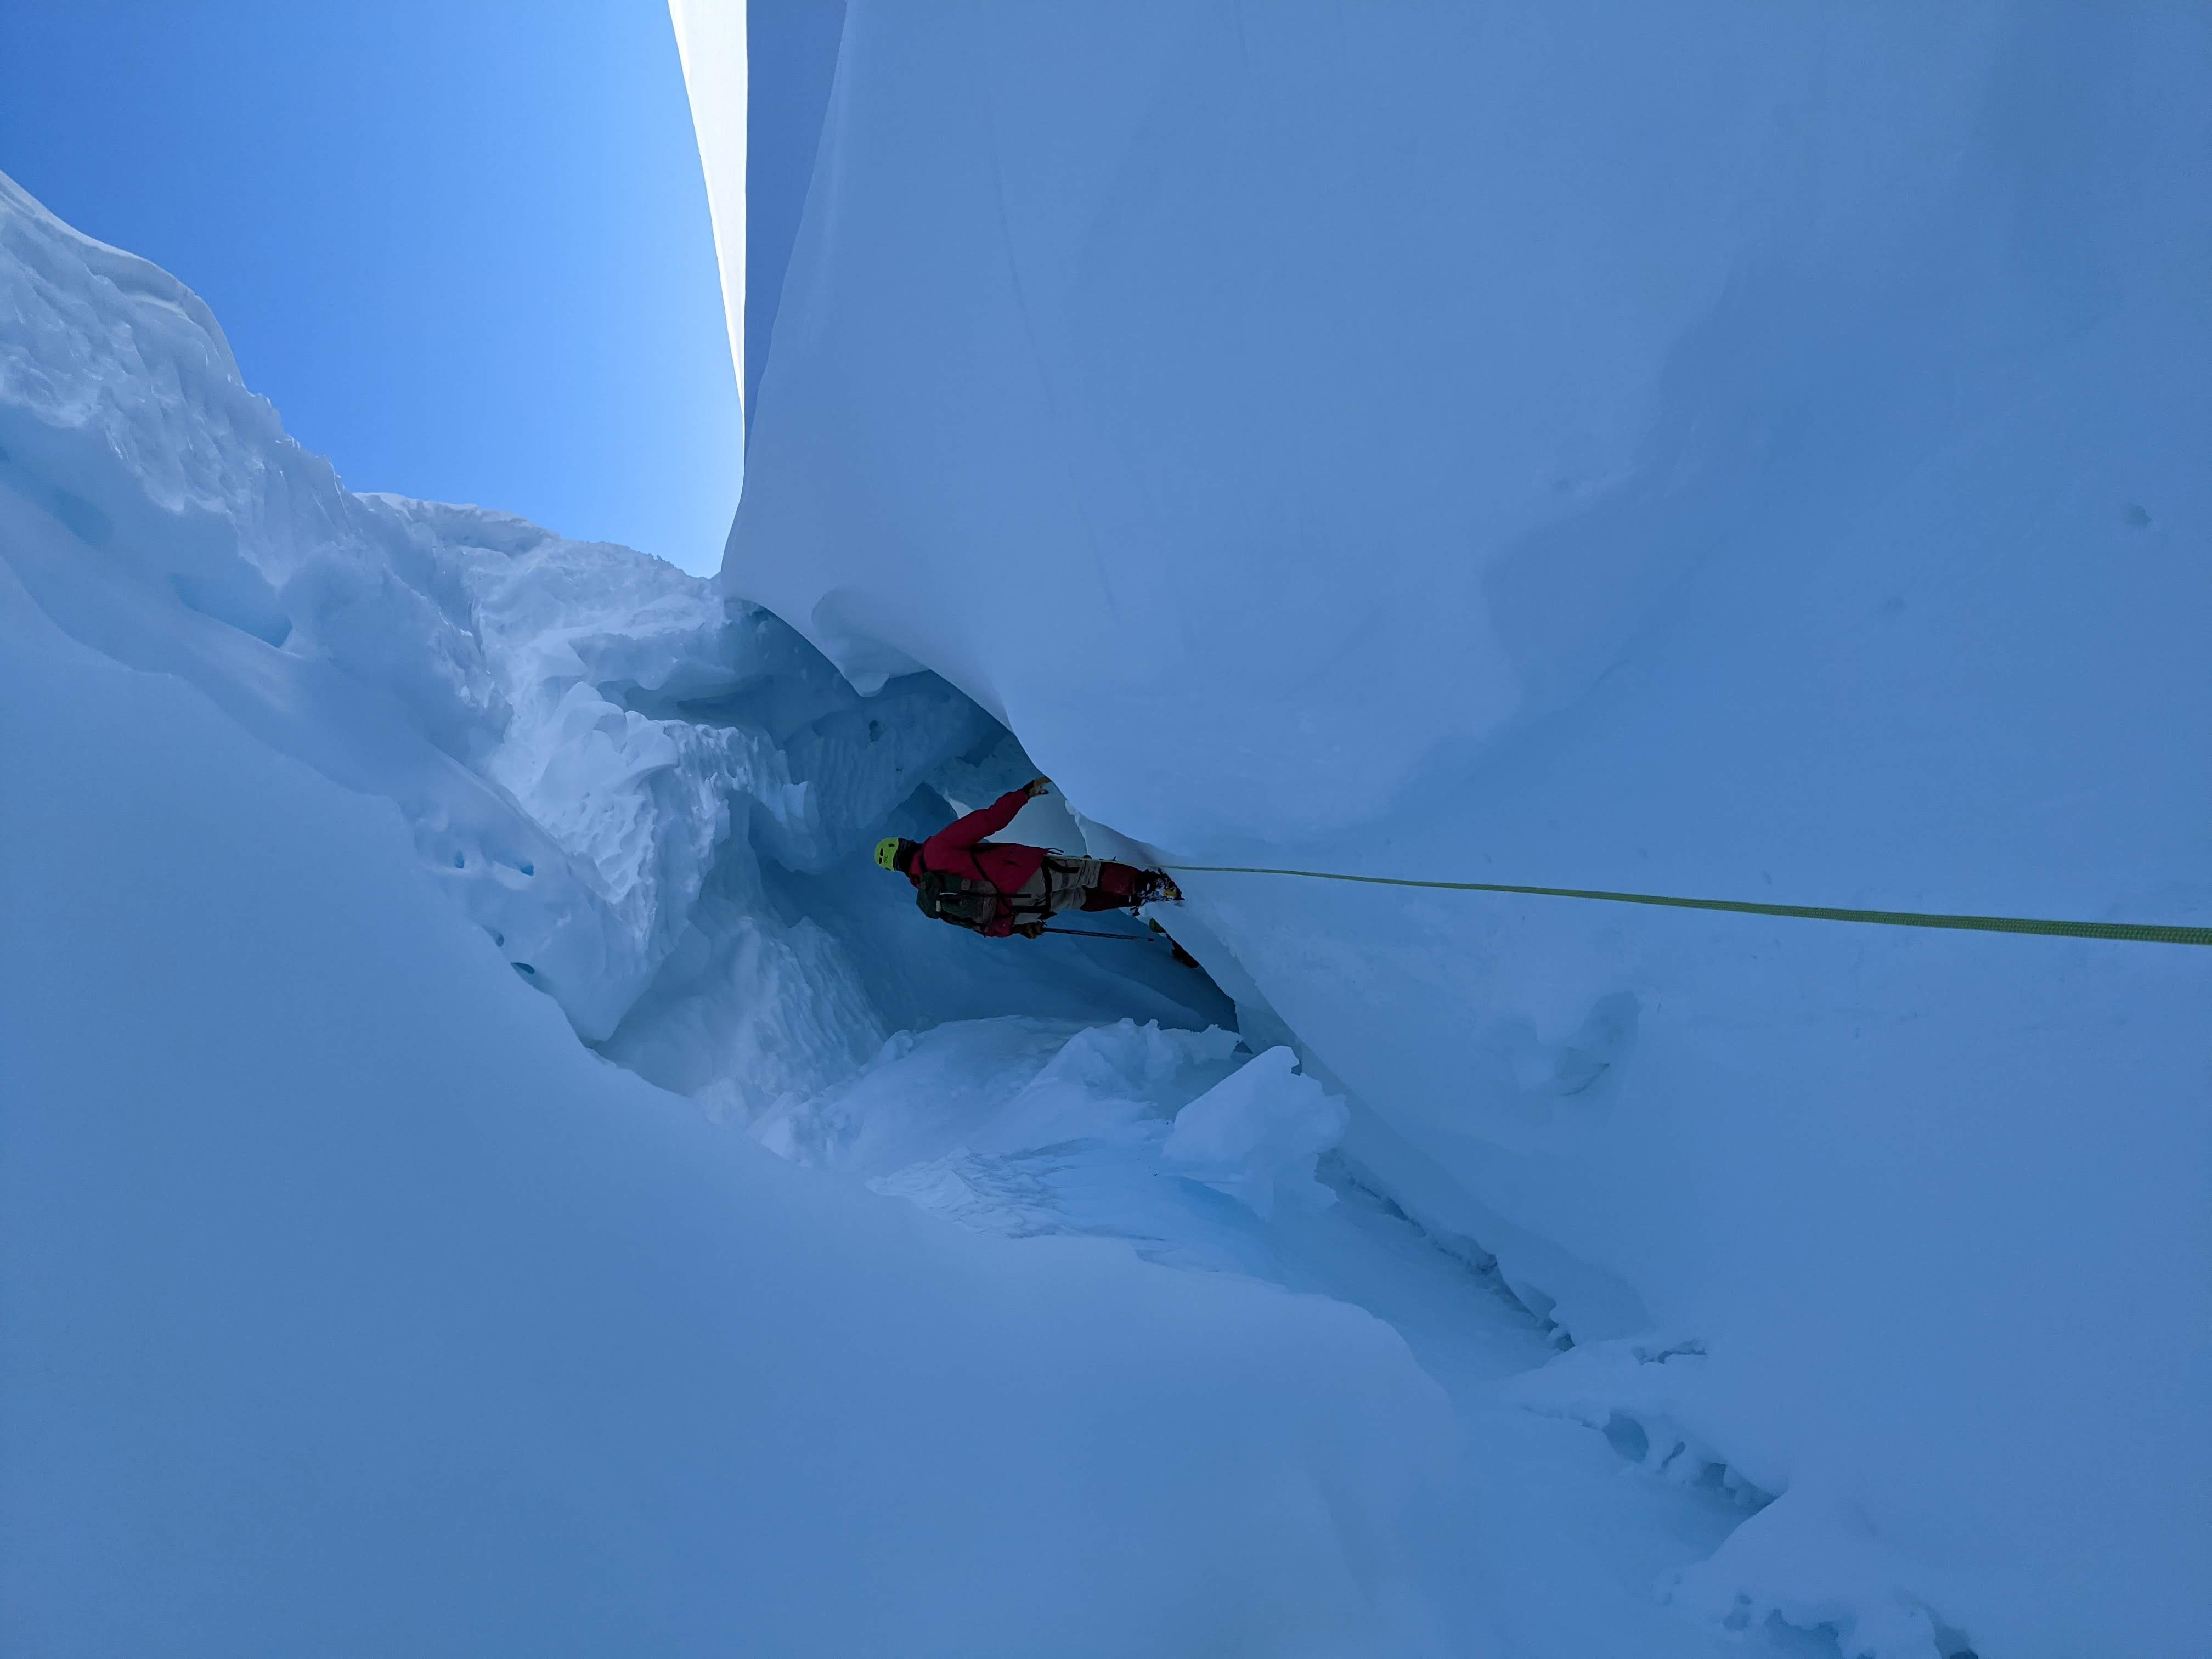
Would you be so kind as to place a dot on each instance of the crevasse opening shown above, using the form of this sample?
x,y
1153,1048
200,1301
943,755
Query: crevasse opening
x,y
1668,452
651,805
368,1298
1739,457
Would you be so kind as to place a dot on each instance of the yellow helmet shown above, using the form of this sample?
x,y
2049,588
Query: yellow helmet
x,y
887,852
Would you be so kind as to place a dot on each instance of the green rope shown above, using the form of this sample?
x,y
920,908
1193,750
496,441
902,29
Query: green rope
x,y
2147,932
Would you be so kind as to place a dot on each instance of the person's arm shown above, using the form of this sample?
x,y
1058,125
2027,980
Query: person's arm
x,y
983,822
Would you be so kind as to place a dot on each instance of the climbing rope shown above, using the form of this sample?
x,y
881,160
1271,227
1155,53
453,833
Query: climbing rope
x,y
2144,933
1093,932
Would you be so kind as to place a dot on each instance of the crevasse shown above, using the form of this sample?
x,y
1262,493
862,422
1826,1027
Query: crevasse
x,y
322,804
1428,443
1663,450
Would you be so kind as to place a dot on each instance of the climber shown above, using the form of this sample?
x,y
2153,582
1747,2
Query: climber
x,y
999,888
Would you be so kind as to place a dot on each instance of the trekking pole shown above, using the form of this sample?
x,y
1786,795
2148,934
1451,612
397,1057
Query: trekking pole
x,y
1092,933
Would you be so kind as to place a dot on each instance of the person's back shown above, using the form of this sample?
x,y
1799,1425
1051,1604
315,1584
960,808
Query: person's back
x,y
998,887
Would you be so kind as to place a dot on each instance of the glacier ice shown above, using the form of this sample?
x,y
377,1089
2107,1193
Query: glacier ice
x,y
1754,456
589,743
352,1304
1670,450
352,1308
1258,1135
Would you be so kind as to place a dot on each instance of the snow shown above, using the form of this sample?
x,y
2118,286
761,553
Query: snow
x,y
589,745
714,45
1259,1134
351,1307
487,1162
352,1304
1687,451
1544,1541
349,1304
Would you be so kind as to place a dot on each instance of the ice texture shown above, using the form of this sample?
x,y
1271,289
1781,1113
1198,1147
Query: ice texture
x,y
350,1304
1683,450
1755,455
588,744
352,1308
1259,1134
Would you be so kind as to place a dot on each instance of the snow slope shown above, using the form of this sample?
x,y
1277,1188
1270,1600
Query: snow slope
x,y
588,743
1752,455
348,1304
351,1307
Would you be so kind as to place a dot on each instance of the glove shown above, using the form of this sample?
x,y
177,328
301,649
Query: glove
x,y
1036,786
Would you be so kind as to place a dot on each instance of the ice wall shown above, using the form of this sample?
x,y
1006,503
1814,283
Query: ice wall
x,y
349,1305
765,66
592,749
1741,454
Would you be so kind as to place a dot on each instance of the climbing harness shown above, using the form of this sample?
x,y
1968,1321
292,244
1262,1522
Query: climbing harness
x,y
2136,931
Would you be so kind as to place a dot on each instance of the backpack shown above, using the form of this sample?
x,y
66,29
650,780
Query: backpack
x,y
956,899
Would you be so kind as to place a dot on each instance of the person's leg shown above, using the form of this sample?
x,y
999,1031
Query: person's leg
x,y
1116,888
1068,881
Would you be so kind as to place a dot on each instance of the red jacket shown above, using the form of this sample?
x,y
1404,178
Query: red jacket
x,y
960,849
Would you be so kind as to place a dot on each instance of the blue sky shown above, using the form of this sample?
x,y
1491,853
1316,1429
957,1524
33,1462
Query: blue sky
x,y
462,246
